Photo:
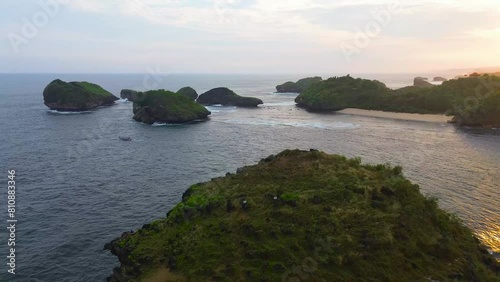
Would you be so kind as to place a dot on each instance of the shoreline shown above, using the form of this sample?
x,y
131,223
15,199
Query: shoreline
x,y
397,116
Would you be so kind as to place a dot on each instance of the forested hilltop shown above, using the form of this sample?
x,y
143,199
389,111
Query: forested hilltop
x,y
474,100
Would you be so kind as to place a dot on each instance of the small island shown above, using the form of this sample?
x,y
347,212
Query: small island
x,y
76,96
130,95
188,92
161,106
227,97
439,79
422,82
299,86
452,97
305,213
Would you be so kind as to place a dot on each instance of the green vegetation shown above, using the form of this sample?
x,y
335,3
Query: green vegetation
x,y
308,216
168,107
76,96
188,92
299,86
227,97
454,97
338,93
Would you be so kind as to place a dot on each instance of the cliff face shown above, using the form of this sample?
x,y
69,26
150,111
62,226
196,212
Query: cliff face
x,y
227,97
167,107
130,95
307,216
76,96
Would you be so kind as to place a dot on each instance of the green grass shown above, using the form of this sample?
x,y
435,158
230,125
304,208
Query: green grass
x,y
168,106
308,213
76,95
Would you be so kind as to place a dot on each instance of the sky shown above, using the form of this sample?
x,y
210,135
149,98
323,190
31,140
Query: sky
x,y
248,36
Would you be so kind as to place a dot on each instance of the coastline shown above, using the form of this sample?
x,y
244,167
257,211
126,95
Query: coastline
x,y
398,116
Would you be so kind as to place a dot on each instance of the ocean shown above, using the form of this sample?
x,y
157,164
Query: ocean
x,y
78,186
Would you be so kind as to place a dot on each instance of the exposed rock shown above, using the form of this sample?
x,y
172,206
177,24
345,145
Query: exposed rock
x,y
167,107
188,92
226,97
299,86
130,95
76,96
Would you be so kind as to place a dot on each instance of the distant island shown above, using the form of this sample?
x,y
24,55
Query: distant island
x,y
167,107
76,96
305,214
188,92
130,95
422,82
473,101
227,97
299,86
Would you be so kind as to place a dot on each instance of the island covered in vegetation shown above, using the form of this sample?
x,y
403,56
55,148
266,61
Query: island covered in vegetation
x,y
472,100
76,96
226,97
299,86
167,107
305,216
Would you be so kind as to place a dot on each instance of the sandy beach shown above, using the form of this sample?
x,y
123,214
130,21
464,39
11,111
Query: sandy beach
x,y
400,116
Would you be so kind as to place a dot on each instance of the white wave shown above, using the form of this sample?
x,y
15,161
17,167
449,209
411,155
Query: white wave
x,y
54,112
123,100
158,124
330,126
215,109
277,104
285,93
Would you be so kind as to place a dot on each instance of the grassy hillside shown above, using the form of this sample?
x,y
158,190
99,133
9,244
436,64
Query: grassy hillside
x,y
307,216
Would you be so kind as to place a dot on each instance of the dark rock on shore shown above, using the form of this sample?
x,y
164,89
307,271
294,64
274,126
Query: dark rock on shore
x,y
130,95
167,107
299,86
188,92
76,96
226,97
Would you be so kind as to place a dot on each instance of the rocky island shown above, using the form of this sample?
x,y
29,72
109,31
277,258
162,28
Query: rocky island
x,y
305,215
422,82
439,78
452,97
188,92
130,95
299,86
76,96
226,97
167,107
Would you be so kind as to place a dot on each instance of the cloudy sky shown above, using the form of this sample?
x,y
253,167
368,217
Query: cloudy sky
x,y
248,36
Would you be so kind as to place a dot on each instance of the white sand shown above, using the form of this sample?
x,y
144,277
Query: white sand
x,y
400,116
